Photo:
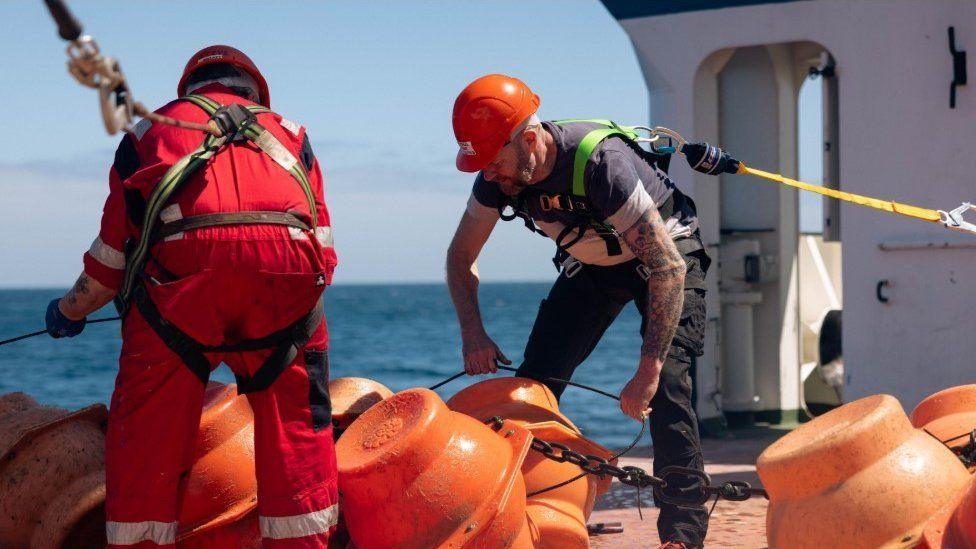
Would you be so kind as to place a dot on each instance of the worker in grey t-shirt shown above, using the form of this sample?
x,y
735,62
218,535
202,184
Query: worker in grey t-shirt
x,y
623,232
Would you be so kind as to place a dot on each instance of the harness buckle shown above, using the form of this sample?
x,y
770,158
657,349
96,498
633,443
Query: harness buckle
x,y
571,266
233,120
643,272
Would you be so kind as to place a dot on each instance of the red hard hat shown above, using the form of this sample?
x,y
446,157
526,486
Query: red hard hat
x,y
485,114
232,56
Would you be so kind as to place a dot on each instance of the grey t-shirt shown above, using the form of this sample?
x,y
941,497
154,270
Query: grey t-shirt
x,y
621,184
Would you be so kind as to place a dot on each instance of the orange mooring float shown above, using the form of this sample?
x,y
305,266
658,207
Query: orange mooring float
x,y
949,415
954,527
52,474
557,517
351,396
517,398
221,488
858,476
413,473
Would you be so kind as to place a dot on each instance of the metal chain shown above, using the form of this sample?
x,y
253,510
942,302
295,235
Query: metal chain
x,y
698,494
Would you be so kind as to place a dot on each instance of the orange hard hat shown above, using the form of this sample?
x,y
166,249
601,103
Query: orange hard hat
x,y
485,114
231,56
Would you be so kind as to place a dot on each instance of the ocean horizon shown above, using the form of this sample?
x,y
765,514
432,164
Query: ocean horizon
x,y
403,335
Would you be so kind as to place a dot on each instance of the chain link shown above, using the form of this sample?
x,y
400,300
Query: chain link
x,y
697,494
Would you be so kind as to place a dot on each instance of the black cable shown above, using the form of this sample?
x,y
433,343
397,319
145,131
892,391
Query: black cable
x,y
39,332
549,379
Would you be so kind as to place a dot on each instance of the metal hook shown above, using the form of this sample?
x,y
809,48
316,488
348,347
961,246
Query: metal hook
x,y
677,142
653,137
954,219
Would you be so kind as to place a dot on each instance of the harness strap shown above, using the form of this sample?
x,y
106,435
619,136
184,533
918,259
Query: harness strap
x,y
289,219
188,349
248,129
284,353
285,342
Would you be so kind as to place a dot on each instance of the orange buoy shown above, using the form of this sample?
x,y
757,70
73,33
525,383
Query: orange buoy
x,y
218,498
954,527
857,476
351,396
559,515
221,487
948,414
52,481
516,398
412,473
244,533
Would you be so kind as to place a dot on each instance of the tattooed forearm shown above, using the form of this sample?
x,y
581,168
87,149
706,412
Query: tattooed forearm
x,y
80,287
85,297
648,238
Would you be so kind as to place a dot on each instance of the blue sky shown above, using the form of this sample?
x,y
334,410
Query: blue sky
x,y
373,81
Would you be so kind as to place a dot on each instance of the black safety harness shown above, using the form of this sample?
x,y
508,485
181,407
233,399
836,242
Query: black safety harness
x,y
236,123
576,201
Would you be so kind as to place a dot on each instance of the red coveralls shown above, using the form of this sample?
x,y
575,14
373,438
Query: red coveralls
x,y
220,285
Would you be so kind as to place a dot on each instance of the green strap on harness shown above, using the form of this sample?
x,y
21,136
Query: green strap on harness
x,y
179,172
589,143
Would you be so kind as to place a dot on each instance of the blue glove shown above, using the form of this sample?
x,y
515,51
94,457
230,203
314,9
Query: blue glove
x,y
59,325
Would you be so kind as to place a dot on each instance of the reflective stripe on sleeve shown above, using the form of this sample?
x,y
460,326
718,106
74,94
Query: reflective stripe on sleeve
x,y
300,526
131,533
632,209
324,235
107,255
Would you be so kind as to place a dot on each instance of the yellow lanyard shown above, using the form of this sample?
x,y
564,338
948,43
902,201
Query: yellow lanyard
x,y
952,219
925,214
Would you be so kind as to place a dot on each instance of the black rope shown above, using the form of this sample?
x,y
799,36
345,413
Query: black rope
x,y
39,332
446,381
948,440
714,503
549,379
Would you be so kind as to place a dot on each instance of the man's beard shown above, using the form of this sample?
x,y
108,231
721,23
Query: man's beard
x,y
526,168
524,171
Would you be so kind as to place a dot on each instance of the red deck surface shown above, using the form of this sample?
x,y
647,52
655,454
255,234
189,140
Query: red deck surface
x,y
732,524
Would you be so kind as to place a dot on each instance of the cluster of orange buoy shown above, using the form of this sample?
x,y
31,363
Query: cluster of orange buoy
x,y
865,475
52,475
415,471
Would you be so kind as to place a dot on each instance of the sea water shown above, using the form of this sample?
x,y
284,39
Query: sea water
x,y
401,335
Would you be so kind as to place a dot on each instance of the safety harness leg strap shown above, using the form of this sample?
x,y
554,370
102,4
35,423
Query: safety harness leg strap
x,y
284,353
188,349
285,343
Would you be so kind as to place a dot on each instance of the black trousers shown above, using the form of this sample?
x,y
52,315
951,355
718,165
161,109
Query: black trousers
x,y
571,321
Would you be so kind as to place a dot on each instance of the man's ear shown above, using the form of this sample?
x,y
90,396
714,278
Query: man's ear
x,y
530,136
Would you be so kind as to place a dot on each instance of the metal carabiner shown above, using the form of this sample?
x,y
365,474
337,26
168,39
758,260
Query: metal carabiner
x,y
649,130
676,142
954,219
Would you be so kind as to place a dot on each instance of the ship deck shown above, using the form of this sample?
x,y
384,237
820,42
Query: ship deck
x,y
732,524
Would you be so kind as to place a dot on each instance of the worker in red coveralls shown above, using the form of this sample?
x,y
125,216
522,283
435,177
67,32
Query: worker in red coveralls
x,y
216,249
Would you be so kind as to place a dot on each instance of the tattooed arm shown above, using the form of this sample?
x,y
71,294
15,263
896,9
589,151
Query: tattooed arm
x,y
84,298
648,238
